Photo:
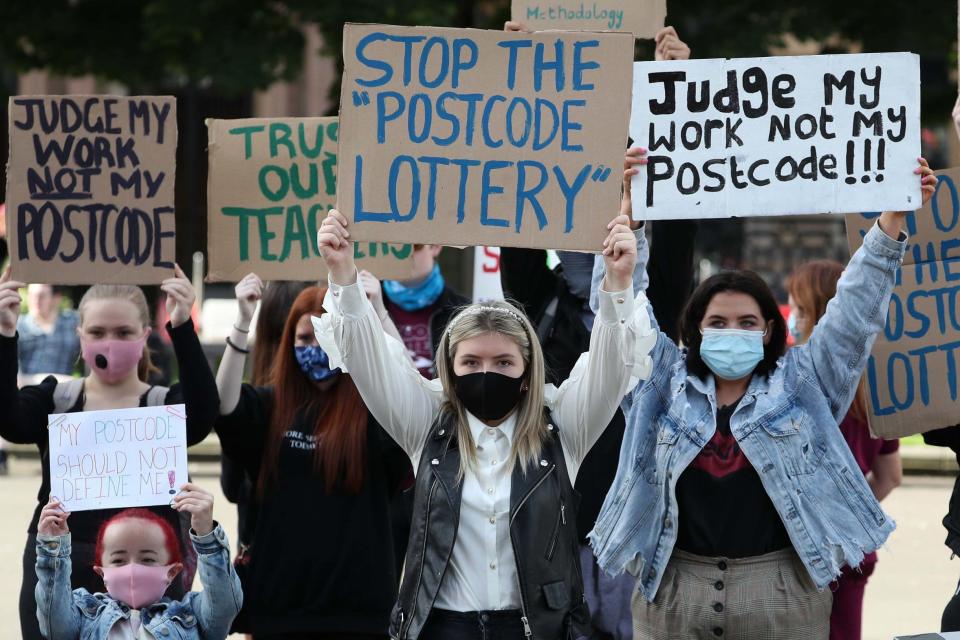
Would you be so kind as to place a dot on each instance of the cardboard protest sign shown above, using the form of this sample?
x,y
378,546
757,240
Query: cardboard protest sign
x,y
90,188
271,182
772,136
912,374
466,137
643,18
118,458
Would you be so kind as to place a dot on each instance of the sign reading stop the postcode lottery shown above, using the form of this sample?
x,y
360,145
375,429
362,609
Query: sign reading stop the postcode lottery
x,y
118,458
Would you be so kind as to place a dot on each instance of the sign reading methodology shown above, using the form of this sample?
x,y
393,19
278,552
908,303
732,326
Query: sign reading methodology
x,y
468,137
118,458
913,375
773,136
271,182
643,18
90,189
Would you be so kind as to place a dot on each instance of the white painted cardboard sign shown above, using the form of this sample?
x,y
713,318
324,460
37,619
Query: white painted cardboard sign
x,y
776,136
118,458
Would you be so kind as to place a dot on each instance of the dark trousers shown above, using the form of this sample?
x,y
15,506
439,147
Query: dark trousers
x,y
846,617
473,625
951,613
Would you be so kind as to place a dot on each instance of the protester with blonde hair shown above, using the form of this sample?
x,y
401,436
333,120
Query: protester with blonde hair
x,y
493,549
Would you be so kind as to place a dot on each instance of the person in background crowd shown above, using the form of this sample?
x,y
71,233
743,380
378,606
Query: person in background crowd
x,y
557,301
278,297
493,550
114,324
421,305
137,556
4,251
321,466
811,286
49,343
732,505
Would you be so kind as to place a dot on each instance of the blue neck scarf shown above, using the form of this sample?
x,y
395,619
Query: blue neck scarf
x,y
417,297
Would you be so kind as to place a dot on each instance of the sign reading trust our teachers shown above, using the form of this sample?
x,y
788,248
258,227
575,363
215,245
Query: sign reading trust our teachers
x,y
469,137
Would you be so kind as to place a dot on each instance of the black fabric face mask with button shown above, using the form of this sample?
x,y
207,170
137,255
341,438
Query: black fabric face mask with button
x,y
490,395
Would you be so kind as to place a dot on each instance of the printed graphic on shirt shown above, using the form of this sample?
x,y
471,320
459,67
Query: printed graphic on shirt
x,y
721,456
301,440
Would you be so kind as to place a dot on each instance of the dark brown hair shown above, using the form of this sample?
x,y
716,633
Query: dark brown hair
x,y
278,297
746,282
339,414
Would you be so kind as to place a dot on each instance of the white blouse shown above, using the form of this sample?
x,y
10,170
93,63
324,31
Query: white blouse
x,y
482,573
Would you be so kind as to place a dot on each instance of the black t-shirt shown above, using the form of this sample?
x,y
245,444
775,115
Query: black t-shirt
x,y
724,509
321,561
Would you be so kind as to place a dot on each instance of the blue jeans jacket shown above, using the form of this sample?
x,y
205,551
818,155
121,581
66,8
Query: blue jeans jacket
x,y
786,425
64,614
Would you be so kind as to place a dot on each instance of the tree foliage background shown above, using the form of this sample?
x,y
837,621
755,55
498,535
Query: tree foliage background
x,y
212,54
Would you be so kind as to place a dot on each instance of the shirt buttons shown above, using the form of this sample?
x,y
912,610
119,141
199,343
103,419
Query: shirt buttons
x,y
491,432
493,520
722,565
619,300
718,585
543,463
493,462
490,490
717,631
493,565
718,607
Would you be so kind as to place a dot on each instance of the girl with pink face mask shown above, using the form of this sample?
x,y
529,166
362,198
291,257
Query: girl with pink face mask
x,y
114,326
138,556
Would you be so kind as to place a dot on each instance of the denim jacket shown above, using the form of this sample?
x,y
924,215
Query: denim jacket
x,y
66,615
786,425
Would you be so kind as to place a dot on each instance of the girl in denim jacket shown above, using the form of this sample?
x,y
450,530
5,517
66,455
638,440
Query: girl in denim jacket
x,y
138,556
735,503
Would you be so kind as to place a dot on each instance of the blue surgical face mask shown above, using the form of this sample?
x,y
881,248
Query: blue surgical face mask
x,y
732,354
792,327
315,363
417,297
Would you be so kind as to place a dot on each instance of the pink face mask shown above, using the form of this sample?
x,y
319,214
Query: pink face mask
x,y
135,584
113,360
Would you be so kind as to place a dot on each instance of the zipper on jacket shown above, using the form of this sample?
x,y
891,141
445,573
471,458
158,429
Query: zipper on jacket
x,y
555,536
524,618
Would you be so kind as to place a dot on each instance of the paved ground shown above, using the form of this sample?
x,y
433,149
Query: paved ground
x,y
913,580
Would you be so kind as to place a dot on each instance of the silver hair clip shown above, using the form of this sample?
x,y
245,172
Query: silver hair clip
x,y
469,311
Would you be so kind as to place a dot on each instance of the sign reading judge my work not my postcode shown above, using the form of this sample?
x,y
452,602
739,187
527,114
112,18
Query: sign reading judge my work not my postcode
x,y
913,375
90,189
772,136
467,137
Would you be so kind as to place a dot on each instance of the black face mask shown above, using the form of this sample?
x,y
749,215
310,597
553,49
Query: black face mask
x,y
488,396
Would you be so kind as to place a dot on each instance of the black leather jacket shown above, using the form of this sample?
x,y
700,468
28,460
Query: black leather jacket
x,y
543,509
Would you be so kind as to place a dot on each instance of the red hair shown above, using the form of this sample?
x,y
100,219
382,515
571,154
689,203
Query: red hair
x,y
339,414
171,541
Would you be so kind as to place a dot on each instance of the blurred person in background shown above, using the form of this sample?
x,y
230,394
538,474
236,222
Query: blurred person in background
x,y
421,306
811,286
49,342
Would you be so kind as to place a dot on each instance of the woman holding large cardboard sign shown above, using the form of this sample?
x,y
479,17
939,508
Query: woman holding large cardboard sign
x,y
316,458
737,500
493,549
114,326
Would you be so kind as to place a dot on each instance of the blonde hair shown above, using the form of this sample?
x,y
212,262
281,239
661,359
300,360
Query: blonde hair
x,y
134,295
507,320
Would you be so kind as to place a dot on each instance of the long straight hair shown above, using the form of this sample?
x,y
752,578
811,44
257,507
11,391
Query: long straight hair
x,y
133,295
339,414
812,285
278,297
509,321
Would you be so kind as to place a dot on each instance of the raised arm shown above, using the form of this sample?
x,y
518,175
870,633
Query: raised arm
x,y
840,344
619,343
56,613
230,372
395,393
25,410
